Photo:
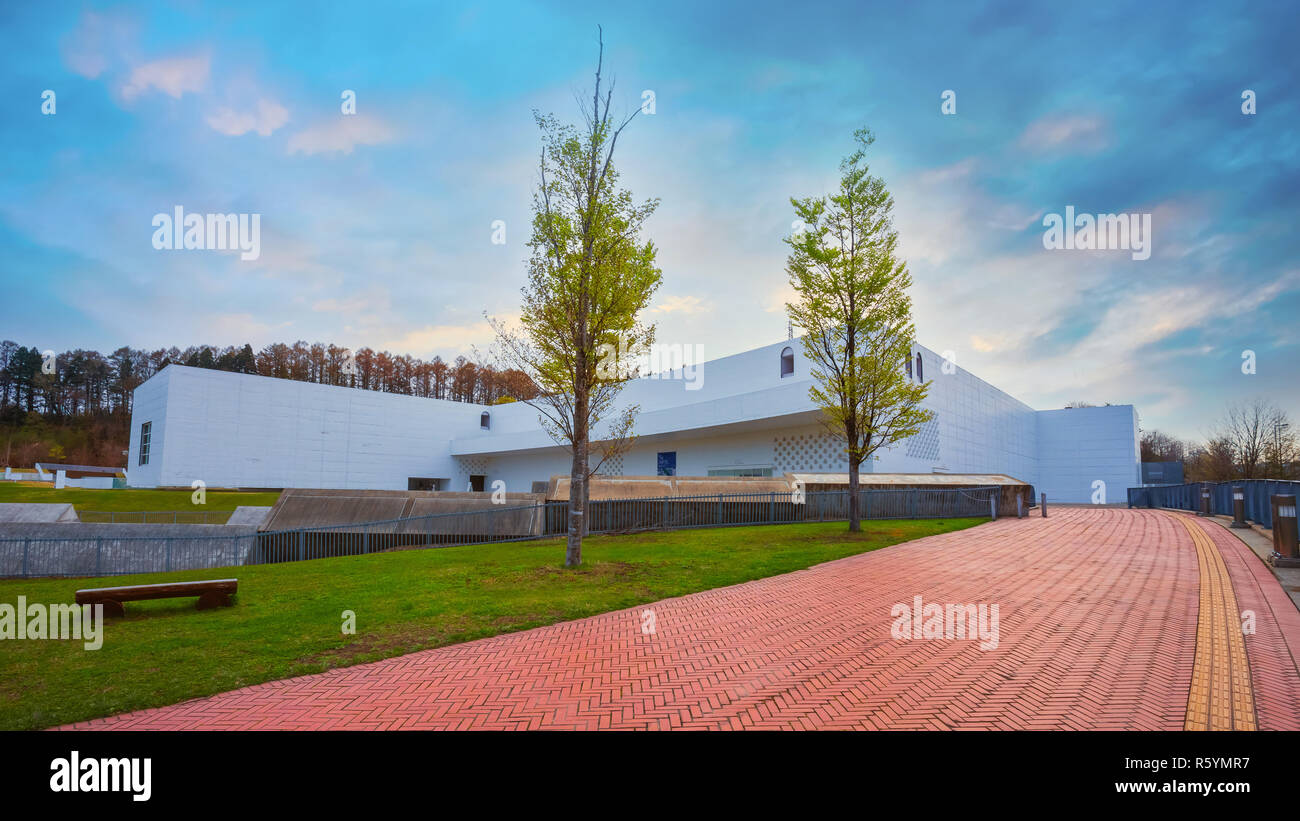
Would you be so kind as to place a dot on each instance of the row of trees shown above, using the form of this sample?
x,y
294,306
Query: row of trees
x,y
87,383
1252,440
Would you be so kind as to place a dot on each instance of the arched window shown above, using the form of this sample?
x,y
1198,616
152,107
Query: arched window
x,y
920,374
907,363
787,361
485,421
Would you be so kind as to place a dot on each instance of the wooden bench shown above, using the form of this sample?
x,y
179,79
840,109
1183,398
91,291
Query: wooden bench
x,y
211,593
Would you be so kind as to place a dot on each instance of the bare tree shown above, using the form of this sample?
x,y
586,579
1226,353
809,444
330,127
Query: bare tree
x,y
1158,446
590,276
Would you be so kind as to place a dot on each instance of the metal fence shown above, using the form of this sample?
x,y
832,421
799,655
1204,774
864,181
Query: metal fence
x,y
155,517
1188,497
106,556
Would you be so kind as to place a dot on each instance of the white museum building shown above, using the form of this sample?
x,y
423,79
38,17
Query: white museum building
x,y
742,415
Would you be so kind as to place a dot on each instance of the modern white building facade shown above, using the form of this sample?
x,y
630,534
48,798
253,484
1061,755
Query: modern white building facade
x,y
747,414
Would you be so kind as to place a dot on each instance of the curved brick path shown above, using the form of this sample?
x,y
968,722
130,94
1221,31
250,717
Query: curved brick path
x,y
1098,630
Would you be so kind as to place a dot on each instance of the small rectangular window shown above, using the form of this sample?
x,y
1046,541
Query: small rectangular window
x,y
144,442
667,463
920,372
752,471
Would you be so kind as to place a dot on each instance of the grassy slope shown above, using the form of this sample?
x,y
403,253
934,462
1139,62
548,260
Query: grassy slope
x,y
287,618
131,499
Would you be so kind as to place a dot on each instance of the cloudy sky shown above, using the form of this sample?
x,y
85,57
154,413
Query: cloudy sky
x,y
376,228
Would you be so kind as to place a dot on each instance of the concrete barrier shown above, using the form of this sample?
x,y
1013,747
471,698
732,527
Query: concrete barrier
x,y
92,549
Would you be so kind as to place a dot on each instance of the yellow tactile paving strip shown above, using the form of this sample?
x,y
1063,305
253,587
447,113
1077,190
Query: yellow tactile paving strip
x,y
1221,697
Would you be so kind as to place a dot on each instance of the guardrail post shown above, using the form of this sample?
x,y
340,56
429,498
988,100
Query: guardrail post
x,y
1238,508
1286,551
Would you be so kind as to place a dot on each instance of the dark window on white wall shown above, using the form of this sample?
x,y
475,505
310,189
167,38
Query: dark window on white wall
x,y
787,361
485,421
144,442
666,463
920,373
909,367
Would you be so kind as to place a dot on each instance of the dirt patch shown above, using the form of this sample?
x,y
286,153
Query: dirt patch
x,y
372,647
384,645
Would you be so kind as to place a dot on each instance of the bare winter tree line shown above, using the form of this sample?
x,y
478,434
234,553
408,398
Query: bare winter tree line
x,y
88,382
1252,440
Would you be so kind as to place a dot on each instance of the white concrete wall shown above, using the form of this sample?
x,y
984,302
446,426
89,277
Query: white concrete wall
x,y
239,430
149,405
1080,446
250,431
977,428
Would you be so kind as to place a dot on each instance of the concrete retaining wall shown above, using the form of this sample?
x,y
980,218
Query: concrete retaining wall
x,y
88,549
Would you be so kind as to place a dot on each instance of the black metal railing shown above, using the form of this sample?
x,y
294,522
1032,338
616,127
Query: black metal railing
x,y
119,555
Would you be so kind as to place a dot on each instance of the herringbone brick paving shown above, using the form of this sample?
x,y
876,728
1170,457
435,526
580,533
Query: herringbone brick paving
x,y
1098,625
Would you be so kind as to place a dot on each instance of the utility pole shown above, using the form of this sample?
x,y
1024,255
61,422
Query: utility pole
x,y
1278,427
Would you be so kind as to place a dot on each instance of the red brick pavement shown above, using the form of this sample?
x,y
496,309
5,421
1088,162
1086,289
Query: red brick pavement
x,y
1098,612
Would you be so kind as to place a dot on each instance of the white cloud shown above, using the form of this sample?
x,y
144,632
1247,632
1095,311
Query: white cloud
x,y
341,134
173,76
98,41
444,340
376,300
778,297
239,326
1065,132
266,118
683,305
942,214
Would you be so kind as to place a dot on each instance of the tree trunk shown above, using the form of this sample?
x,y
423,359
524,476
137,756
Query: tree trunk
x,y
855,518
851,436
578,483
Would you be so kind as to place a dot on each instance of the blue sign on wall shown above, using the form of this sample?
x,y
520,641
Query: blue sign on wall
x,y
668,463
1162,473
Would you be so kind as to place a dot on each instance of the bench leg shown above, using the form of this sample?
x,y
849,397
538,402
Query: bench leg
x,y
112,609
207,601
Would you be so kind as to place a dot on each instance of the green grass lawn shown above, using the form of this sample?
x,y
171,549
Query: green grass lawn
x,y
287,618
133,499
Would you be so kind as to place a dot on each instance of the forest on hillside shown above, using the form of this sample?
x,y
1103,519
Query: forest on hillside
x,y
75,406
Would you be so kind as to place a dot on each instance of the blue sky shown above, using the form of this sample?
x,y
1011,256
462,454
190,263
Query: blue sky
x,y
376,228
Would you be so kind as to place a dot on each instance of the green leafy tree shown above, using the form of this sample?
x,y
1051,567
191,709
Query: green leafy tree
x,y
590,275
855,313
